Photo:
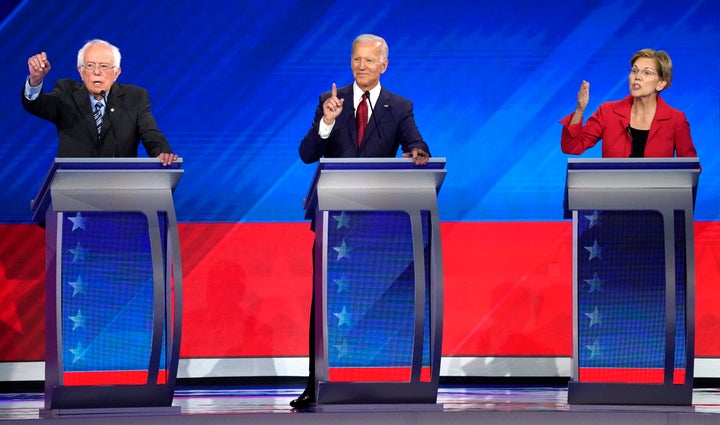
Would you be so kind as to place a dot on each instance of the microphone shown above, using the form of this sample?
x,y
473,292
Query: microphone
x,y
377,126
112,127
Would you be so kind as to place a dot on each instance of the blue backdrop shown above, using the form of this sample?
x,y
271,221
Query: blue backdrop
x,y
234,86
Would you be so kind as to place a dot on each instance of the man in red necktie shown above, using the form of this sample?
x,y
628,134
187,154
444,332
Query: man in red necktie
x,y
390,122
360,120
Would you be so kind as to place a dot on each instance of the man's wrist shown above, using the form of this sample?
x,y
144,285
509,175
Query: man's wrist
x,y
325,129
32,92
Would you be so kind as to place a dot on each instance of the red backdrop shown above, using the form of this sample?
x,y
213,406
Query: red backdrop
x,y
247,289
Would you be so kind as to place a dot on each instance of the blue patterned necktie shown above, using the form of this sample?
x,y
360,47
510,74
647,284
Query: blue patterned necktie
x,y
98,116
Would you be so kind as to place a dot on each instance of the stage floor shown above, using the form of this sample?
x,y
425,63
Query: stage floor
x,y
457,404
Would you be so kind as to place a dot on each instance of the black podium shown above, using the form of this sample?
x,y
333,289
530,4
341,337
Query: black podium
x,y
633,280
378,281
113,286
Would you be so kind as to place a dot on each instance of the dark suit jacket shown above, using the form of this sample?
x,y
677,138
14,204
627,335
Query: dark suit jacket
x,y
394,115
127,121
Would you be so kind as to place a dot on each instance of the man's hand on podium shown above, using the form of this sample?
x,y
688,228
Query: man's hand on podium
x,y
167,158
419,156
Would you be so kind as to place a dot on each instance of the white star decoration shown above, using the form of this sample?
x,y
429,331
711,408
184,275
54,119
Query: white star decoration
x,y
594,250
78,253
343,317
595,318
343,283
593,219
78,221
78,286
78,320
595,283
343,250
78,352
594,349
342,220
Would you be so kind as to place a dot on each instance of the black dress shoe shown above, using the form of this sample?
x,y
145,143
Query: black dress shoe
x,y
304,401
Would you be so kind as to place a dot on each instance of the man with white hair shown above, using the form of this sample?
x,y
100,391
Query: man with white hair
x,y
98,117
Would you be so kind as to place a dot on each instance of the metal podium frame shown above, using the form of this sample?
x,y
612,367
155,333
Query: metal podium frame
x,y
369,185
663,185
135,185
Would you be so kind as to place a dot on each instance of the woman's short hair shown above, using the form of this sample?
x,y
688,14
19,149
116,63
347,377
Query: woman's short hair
x,y
662,59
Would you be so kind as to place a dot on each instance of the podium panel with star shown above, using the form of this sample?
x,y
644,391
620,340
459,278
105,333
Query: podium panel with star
x,y
378,280
371,297
633,280
113,285
107,299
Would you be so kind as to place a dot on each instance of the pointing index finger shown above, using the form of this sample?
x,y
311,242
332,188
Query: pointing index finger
x,y
334,90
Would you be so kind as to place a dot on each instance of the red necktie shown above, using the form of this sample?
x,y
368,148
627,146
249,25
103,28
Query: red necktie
x,y
361,119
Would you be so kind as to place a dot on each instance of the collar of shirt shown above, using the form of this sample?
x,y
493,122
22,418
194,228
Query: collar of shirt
x,y
94,101
374,95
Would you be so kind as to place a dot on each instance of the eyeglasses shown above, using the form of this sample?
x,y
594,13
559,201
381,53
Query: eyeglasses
x,y
103,67
646,72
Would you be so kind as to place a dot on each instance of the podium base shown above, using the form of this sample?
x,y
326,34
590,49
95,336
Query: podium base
x,y
384,407
109,412
628,394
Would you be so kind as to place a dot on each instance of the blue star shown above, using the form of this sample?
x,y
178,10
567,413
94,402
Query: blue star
x,y
594,250
593,219
78,253
343,220
342,349
78,222
79,320
78,286
343,283
78,352
343,317
595,318
595,283
343,250
594,349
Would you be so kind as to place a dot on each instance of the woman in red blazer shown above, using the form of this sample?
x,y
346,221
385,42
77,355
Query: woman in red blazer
x,y
640,125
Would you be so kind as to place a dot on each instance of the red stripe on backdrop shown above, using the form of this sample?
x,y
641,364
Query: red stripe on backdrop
x,y
707,294
247,289
22,292
631,376
120,377
507,289
375,374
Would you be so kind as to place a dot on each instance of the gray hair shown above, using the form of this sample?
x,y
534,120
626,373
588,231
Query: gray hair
x,y
384,49
115,52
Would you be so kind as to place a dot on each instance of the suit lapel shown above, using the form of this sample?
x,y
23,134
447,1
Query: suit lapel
x,y
379,109
347,115
113,101
81,98
661,116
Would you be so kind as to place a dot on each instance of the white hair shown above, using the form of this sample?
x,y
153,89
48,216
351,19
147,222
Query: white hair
x,y
384,49
115,51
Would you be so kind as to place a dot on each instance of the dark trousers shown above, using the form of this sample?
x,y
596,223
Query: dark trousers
x,y
310,386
